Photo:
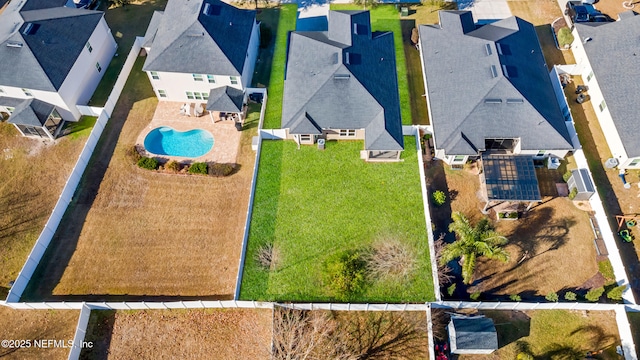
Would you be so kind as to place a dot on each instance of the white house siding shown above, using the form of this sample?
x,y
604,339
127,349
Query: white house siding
x,y
47,96
176,85
595,94
252,55
548,153
80,84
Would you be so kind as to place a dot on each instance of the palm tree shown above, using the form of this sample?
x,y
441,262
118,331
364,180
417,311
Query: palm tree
x,y
481,240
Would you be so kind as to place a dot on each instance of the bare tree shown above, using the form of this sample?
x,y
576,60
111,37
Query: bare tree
x,y
445,275
297,333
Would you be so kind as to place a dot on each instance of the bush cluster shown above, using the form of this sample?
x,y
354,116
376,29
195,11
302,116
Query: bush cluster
x,y
345,273
565,37
573,193
219,169
570,296
594,295
438,197
616,293
566,176
148,163
173,166
198,168
133,154
552,296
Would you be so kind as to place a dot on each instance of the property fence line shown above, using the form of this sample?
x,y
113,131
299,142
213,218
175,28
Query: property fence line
x,y
86,110
273,134
122,80
81,331
66,196
427,217
247,224
626,336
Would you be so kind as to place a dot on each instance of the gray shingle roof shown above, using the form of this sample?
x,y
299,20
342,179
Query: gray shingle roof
x,y
475,333
614,54
188,41
48,51
32,112
338,79
490,82
225,98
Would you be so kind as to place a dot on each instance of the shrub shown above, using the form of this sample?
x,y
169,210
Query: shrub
x,y
172,166
198,168
218,169
501,215
475,296
594,294
524,356
133,154
552,296
148,163
513,215
268,257
565,37
439,197
573,193
566,176
390,259
570,296
451,289
345,273
616,293
515,297
606,270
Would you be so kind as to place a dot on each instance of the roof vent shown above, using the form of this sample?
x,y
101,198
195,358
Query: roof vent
x,y
341,77
196,34
30,29
487,47
494,71
334,58
355,29
586,40
206,9
499,47
347,58
504,70
492,101
14,44
515,101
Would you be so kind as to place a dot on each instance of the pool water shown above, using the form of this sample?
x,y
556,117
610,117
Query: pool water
x,y
168,141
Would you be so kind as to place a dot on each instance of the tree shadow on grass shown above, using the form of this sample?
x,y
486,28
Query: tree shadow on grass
x,y
63,245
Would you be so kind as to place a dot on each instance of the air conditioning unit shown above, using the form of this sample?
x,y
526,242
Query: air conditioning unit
x,y
321,144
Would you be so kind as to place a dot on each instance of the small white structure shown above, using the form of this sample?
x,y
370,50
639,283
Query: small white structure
x,y
472,335
581,181
52,58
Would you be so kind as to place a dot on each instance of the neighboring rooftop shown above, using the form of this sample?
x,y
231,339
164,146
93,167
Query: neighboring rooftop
x,y
40,42
489,82
613,50
199,37
344,78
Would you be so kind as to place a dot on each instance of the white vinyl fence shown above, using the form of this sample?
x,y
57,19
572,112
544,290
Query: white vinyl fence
x,y
247,223
81,331
72,182
86,110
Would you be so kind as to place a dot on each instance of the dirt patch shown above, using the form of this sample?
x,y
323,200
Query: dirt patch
x,y
180,334
595,281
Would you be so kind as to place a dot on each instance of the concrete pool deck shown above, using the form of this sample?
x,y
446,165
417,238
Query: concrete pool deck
x,y
225,136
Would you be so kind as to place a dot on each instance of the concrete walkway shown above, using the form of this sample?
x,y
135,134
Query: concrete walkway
x,y
486,10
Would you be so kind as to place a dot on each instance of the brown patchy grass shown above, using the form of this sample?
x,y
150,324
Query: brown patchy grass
x,y
37,325
32,177
132,232
614,7
550,233
553,334
634,322
180,334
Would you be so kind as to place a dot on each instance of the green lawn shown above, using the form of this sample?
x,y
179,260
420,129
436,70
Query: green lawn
x,y
634,321
311,204
126,23
273,62
387,18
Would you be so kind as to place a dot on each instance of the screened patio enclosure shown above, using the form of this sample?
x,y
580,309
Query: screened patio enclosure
x,y
32,117
506,178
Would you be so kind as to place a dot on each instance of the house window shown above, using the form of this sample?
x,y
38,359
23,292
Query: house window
x,y
89,47
27,92
541,153
234,80
305,138
589,76
154,75
190,95
347,132
197,95
634,163
162,93
603,105
211,79
197,77
205,96
98,67
458,158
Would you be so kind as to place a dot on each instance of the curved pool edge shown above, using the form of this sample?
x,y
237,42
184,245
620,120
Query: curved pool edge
x,y
167,142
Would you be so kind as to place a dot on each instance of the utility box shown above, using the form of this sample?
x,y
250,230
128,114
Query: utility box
x,y
321,144
581,181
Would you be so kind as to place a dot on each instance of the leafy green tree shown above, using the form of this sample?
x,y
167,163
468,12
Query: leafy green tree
x,y
472,242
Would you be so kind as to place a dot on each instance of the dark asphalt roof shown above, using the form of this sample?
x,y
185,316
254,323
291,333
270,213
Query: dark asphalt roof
x,y
225,98
32,112
475,333
41,59
188,41
344,78
614,55
490,82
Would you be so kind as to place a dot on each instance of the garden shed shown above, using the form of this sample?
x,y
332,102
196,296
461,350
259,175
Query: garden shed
x,y
472,335
581,182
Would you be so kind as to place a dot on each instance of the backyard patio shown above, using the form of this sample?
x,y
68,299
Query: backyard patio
x,y
226,136
540,241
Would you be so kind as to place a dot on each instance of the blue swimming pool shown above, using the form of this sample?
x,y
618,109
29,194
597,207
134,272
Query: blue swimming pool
x,y
168,141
